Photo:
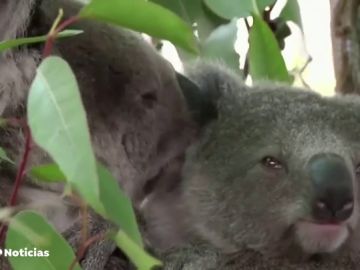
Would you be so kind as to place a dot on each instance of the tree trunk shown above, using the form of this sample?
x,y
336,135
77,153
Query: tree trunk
x,y
345,31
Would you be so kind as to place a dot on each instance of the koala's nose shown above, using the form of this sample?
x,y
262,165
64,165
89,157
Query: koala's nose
x,y
333,199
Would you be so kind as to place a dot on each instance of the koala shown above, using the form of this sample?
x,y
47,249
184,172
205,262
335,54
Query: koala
x,y
223,176
139,125
272,181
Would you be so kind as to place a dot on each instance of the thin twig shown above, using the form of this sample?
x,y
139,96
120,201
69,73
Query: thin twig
x,y
52,35
19,177
82,250
301,71
246,64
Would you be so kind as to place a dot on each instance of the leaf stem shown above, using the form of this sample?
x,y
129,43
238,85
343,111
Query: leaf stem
x,y
21,171
19,177
56,22
53,33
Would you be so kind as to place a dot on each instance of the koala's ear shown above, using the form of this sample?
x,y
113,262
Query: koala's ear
x,y
201,104
205,83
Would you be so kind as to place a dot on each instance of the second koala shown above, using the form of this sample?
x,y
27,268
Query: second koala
x,y
272,182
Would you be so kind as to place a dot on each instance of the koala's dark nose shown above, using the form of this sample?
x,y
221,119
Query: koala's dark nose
x,y
333,199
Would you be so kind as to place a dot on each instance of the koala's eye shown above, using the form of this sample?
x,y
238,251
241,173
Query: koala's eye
x,y
272,163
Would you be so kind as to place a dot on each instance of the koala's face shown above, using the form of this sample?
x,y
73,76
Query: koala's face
x,y
277,168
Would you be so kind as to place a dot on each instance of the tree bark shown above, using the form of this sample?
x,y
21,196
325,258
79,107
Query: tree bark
x,y
345,31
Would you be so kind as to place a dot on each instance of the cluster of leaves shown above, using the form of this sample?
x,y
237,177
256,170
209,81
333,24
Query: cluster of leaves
x,y
60,127
215,23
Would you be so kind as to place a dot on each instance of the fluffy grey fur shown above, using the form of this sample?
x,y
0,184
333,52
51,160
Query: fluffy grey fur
x,y
217,207
242,215
138,123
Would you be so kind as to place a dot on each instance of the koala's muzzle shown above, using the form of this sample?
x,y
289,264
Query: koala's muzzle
x,y
333,198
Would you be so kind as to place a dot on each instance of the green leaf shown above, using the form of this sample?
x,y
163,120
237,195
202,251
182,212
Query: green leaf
x,y
57,120
220,44
117,205
193,12
265,59
48,173
291,12
8,44
142,260
229,9
186,9
144,17
262,4
22,238
3,156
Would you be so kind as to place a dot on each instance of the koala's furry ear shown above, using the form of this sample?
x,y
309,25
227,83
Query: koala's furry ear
x,y
203,85
201,107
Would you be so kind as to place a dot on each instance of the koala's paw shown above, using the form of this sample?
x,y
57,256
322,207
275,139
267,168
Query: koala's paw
x,y
191,258
99,253
118,262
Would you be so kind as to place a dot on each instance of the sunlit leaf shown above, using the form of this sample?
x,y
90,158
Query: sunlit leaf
x,y
60,254
265,59
57,120
144,17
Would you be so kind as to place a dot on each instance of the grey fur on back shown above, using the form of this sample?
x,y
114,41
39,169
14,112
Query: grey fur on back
x,y
138,123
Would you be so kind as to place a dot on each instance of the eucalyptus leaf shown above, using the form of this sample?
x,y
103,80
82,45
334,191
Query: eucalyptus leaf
x,y
220,45
229,9
141,260
57,120
194,13
60,254
291,12
144,17
8,44
117,205
265,59
188,10
48,173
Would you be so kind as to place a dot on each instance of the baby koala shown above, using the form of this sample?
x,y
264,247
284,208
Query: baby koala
x,y
271,183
